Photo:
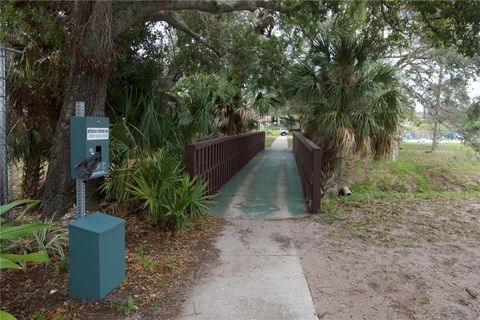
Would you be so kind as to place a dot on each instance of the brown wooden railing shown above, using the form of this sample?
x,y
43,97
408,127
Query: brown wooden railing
x,y
218,160
308,157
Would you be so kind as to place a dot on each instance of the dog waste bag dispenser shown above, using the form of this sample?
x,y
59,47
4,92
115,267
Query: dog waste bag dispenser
x,y
97,240
89,147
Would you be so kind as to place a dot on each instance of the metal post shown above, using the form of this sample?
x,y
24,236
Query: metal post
x,y
3,127
80,184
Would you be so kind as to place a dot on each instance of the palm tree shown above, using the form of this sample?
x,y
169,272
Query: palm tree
x,y
352,103
30,145
265,103
35,82
232,114
215,103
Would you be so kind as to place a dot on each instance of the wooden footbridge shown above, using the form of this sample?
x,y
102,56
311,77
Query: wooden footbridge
x,y
252,181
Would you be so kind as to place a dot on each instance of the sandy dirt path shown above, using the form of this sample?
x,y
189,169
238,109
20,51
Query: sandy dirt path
x,y
414,276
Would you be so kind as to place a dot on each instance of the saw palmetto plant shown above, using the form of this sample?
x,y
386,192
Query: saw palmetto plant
x,y
34,104
352,101
214,104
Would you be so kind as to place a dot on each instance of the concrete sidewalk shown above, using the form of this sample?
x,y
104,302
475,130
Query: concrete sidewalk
x,y
259,275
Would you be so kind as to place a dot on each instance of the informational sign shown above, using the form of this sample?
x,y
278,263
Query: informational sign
x,y
97,133
89,140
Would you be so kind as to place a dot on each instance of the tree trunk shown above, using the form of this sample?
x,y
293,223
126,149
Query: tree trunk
x,y
437,108
340,169
32,173
434,137
93,56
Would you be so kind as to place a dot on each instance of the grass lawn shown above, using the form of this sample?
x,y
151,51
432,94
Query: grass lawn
x,y
269,140
450,168
452,171
386,189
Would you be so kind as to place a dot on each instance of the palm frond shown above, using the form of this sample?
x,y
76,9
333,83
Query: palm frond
x,y
352,102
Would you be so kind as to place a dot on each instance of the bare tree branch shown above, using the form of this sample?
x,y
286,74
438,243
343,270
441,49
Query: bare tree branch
x,y
138,12
167,81
177,22
417,96
411,56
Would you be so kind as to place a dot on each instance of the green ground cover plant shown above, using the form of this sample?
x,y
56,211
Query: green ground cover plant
x,y
157,184
453,167
13,231
418,195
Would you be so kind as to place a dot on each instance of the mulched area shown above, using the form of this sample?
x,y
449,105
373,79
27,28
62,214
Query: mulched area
x,y
161,267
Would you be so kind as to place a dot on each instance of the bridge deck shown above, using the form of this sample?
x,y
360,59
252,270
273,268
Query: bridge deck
x,y
268,187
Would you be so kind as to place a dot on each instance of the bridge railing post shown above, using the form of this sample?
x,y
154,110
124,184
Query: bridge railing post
x,y
316,180
191,159
308,157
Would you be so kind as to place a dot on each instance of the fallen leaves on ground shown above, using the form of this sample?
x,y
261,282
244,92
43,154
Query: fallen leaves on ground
x,y
404,219
160,267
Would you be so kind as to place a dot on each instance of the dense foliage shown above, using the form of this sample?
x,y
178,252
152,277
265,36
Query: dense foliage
x,y
171,76
35,85
471,126
11,231
146,164
352,103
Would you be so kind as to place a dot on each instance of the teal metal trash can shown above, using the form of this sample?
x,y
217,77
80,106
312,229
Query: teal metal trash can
x,y
97,255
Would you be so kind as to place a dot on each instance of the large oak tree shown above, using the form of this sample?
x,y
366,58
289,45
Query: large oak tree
x,y
96,26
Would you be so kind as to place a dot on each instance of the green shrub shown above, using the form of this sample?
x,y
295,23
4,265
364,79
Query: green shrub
x,y
12,231
50,240
147,146
167,195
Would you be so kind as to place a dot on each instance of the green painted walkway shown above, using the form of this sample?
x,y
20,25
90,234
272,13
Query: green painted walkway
x,y
268,187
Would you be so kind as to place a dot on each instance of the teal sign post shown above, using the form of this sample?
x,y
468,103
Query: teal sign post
x,y
97,240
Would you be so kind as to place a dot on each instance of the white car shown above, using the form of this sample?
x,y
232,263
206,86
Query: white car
x,y
283,132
